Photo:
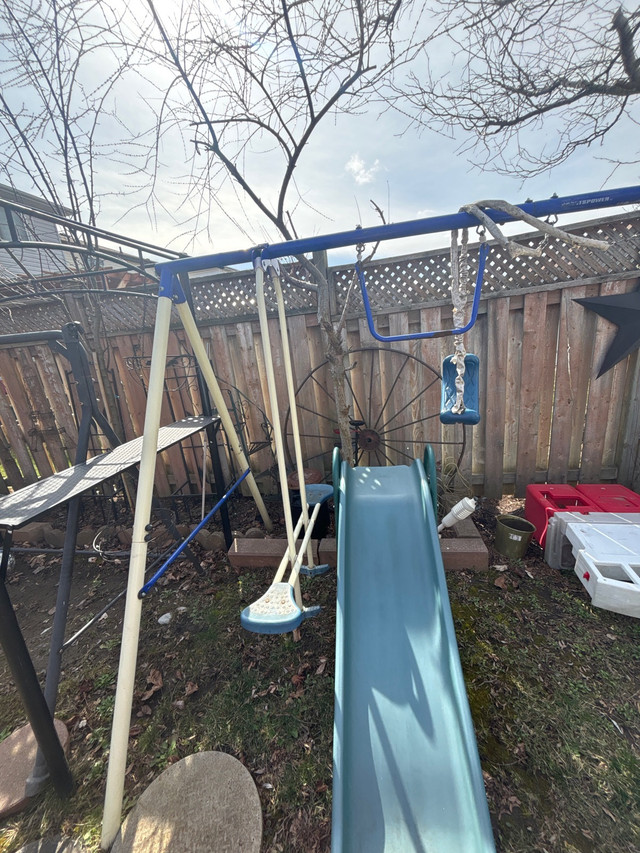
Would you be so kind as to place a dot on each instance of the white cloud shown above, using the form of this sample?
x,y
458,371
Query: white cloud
x,y
355,166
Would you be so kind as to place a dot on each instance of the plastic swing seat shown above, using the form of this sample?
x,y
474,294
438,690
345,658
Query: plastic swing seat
x,y
471,413
276,612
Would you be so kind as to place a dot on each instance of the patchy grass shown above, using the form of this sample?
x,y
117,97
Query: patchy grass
x,y
553,686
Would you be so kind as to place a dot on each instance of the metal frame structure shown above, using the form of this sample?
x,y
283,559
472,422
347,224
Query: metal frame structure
x,y
172,293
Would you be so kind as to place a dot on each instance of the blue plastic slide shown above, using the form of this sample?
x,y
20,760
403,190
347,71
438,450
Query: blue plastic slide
x,y
407,774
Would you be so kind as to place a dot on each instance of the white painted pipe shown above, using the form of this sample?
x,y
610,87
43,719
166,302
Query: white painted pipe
x,y
293,409
218,401
275,412
294,577
133,607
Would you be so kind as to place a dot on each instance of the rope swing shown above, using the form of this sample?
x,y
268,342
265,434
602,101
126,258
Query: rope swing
x,y
459,401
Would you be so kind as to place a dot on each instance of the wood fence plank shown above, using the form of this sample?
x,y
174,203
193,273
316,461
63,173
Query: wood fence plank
x,y
514,362
45,427
598,412
246,357
582,328
431,353
135,393
13,474
477,344
497,352
401,395
24,409
629,454
549,334
14,431
531,376
44,360
569,354
305,398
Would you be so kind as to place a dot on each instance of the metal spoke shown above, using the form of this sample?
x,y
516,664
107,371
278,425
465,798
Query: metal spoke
x,y
410,403
395,382
385,456
313,412
402,452
408,424
320,385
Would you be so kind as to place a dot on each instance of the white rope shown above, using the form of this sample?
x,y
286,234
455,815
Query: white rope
x,y
459,285
516,249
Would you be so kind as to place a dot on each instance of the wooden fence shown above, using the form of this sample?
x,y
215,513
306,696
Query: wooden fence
x,y
545,417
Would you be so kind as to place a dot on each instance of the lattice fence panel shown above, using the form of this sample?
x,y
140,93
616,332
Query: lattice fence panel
x,y
405,282
234,295
393,283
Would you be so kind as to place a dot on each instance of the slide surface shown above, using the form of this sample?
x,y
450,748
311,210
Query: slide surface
x,y
407,774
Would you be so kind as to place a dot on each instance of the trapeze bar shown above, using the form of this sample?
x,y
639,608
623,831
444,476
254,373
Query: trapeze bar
x,y
411,228
482,258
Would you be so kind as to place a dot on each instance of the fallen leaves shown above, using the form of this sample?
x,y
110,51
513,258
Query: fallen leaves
x,y
154,683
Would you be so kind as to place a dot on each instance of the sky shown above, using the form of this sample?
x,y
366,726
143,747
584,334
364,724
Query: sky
x,y
410,175
350,160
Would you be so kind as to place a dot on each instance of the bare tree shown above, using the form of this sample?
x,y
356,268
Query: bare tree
x,y
61,67
260,82
550,76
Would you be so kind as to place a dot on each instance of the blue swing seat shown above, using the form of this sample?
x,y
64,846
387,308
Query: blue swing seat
x,y
471,414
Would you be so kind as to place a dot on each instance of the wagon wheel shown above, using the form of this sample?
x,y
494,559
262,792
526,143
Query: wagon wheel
x,y
395,408
252,426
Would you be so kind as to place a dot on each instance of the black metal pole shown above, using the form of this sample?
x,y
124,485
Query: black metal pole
x,y
26,680
77,357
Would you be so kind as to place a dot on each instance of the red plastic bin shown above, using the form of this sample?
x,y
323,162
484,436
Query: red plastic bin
x,y
543,501
611,497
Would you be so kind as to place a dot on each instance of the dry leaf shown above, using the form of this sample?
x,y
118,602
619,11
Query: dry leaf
x,y
322,666
155,680
500,582
190,687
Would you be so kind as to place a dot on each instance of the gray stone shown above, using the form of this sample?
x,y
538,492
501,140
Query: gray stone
x,y
17,754
29,533
52,536
207,801
124,536
254,533
85,537
210,541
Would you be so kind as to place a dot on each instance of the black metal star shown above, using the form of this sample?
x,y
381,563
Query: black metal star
x,y
623,309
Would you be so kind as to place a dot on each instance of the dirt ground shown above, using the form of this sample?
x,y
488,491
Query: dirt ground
x,y
540,664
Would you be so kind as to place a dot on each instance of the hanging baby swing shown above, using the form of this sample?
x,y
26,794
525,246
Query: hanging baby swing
x,y
460,371
459,401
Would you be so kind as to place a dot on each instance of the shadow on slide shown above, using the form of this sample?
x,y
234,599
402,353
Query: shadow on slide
x,y
407,774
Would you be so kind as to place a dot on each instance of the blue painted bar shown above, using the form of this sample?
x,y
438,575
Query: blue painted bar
x,y
410,228
163,568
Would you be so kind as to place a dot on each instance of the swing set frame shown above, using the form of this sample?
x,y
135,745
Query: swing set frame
x,y
172,294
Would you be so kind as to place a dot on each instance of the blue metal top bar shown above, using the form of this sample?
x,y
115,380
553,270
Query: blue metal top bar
x,y
411,228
